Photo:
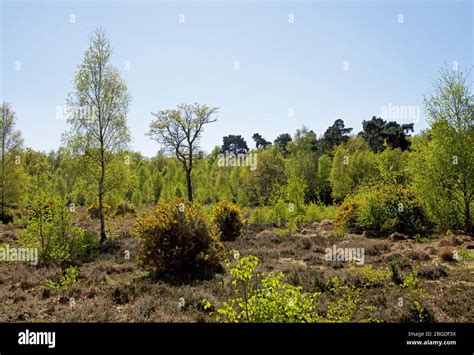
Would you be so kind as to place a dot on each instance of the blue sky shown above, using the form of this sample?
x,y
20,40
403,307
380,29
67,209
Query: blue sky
x,y
284,67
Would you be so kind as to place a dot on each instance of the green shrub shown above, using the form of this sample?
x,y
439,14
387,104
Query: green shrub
x,y
370,277
49,228
373,214
65,280
261,215
296,223
317,213
178,240
93,210
84,245
347,300
259,298
466,254
280,213
125,208
382,210
228,218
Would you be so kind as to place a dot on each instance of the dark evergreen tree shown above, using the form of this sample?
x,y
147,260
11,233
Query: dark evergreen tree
x,y
260,142
234,144
282,140
377,131
335,135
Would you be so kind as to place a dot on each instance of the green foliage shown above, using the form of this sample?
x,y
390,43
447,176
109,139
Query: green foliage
x,y
396,275
301,164
382,210
282,213
411,281
442,165
269,175
370,277
178,131
178,240
323,186
65,280
282,142
372,214
346,216
259,298
279,213
234,144
98,131
228,218
49,228
84,245
262,215
296,223
335,135
347,300
379,134
295,193
353,165
466,254
260,142
12,175
125,208
414,295
94,212
318,212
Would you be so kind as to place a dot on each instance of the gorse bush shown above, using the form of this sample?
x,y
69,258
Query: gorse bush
x,y
178,240
228,218
259,298
346,216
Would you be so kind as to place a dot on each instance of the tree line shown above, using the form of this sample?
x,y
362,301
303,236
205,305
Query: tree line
x,y
94,165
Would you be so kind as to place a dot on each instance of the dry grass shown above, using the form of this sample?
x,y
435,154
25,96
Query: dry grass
x,y
112,288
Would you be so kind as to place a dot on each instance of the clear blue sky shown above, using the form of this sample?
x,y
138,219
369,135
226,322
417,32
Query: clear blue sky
x,y
283,65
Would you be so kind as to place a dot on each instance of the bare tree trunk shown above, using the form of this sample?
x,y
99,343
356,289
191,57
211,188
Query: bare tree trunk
x,y
189,185
3,183
103,236
467,216
3,166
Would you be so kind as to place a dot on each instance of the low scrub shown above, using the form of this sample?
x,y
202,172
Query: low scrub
x,y
125,208
283,213
383,210
50,229
228,218
177,240
94,212
259,298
